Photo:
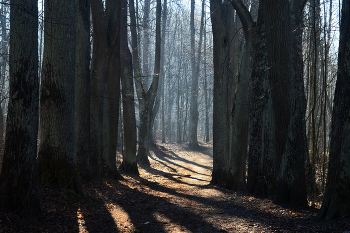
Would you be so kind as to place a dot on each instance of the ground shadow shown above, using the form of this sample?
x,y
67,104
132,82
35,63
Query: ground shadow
x,y
149,206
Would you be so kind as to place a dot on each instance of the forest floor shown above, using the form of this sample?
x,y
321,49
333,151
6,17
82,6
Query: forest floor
x,y
172,195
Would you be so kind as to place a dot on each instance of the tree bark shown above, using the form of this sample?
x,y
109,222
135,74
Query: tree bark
x,y
286,104
222,74
336,202
112,90
146,42
98,77
18,180
105,87
239,146
82,89
194,85
146,98
56,160
129,163
261,179
160,92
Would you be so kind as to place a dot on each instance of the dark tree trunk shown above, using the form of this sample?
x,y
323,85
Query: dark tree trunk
x,y
286,104
112,90
160,92
240,112
336,202
194,85
146,98
146,42
222,74
56,159
18,181
98,76
129,163
105,87
82,89
257,106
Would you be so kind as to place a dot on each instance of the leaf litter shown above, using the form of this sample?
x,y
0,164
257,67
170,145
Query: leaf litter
x,y
172,195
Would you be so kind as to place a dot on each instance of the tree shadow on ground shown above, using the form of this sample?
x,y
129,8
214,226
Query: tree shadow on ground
x,y
165,154
96,218
154,213
232,207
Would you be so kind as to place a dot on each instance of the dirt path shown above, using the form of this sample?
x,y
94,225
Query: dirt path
x,y
172,195
175,196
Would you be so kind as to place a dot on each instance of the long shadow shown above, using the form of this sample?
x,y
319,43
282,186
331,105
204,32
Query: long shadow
x,y
233,209
160,160
171,176
165,157
166,152
274,221
97,218
147,205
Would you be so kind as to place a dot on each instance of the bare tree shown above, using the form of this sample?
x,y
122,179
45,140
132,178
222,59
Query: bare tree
x,y
18,180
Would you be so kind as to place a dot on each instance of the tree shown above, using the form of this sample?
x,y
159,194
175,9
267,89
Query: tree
x,y
112,90
146,98
194,114
194,87
129,163
261,177
18,181
146,41
160,92
105,85
222,74
336,202
98,76
56,160
82,88
240,112
287,109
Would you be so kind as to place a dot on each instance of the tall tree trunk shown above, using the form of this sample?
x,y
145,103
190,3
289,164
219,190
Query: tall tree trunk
x,y
112,90
239,146
98,77
222,74
261,179
18,180
336,202
146,42
194,86
105,87
290,149
82,88
160,92
56,160
146,98
206,102
129,163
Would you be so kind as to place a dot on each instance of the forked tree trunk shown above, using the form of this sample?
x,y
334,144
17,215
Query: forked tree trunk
x,y
146,98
